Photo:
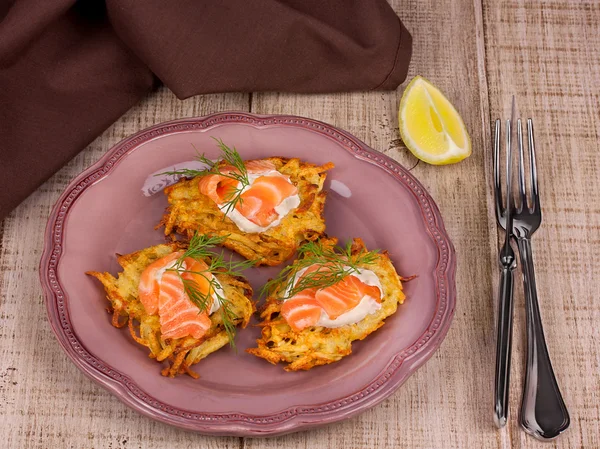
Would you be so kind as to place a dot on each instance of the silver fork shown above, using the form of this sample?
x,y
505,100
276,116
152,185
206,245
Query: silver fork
x,y
505,294
543,411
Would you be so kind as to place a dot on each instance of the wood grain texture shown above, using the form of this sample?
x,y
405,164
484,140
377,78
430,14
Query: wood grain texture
x,y
546,54
479,52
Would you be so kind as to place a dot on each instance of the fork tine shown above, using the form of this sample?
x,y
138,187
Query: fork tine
x,y
523,199
509,196
532,164
497,188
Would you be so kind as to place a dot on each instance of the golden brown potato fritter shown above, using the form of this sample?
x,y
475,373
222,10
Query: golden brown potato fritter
x,y
190,211
181,353
317,345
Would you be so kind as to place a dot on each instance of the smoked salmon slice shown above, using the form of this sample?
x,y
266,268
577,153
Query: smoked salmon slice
x,y
302,310
218,188
259,201
339,298
253,208
259,166
271,190
178,316
345,295
366,289
149,288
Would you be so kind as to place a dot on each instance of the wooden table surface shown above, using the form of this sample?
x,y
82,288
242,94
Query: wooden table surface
x,y
479,52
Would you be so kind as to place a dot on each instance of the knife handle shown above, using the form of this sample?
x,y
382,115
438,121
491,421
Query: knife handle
x,y
503,346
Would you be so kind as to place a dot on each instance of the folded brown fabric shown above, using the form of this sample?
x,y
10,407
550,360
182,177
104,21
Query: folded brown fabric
x,y
69,69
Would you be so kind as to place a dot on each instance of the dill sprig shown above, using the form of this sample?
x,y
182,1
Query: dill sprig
x,y
237,171
199,249
334,264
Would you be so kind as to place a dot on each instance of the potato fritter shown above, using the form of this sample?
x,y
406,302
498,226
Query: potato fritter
x,y
190,211
318,345
181,353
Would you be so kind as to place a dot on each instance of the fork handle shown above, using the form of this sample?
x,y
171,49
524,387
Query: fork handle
x,y
503,345
543,411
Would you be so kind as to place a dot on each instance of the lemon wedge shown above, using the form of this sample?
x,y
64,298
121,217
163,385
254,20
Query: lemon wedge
x,y
430,126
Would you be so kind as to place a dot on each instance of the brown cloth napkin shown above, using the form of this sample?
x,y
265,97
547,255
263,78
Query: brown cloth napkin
x,y
68,69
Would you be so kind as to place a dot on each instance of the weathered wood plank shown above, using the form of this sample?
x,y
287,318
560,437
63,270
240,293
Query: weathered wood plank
x,y
546,54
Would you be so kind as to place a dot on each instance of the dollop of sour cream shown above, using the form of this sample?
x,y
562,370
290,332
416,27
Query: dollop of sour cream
x,y
216,304
367,305
287,205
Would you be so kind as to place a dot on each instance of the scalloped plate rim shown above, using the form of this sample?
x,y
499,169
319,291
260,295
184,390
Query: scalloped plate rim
x,y
294,419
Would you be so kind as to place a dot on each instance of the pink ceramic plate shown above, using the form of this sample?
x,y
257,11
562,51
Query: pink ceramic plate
x,y
103,212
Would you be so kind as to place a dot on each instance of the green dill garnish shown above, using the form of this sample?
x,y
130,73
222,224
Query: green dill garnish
x,y
199,249
236,171
334,264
